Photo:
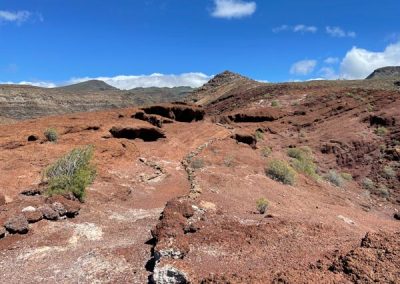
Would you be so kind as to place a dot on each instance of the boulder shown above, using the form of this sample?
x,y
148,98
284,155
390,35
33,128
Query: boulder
x,y
169,275
48,212
17,225
59,208
33,216
64,206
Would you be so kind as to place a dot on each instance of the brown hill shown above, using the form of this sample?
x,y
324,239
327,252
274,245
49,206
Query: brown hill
x,y
88,86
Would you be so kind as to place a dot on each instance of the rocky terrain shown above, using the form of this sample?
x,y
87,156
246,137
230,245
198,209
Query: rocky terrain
x,y
177,192
24,102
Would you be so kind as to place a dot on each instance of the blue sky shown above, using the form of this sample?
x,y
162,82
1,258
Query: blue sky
x,y
52,42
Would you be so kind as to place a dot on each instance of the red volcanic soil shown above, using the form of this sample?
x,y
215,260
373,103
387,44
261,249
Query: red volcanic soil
x,y
177,203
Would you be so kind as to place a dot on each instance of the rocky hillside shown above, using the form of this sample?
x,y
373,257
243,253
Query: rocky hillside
x,y
24,102
385,72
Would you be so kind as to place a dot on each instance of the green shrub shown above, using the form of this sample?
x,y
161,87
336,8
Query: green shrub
x,y
334,178
368,184
281,171
303,161
262,205
72,173
259,135
51,135
382,191
266,151
388,172
197,163
347,176
275,103
381,131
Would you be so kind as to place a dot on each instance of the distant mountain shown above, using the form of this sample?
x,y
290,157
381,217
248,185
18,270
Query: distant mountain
x,y
24,102
385,72
88,86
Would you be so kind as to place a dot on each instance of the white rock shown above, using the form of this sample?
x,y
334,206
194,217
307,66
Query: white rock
x,y
169,275
29,209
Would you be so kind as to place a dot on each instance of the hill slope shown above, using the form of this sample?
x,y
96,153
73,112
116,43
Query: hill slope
x,y
385,72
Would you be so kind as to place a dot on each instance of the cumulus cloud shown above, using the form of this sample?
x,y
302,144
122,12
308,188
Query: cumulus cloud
x,y
339,32
359,63
303,67
331,60
17,17
126,82
229,9
297,29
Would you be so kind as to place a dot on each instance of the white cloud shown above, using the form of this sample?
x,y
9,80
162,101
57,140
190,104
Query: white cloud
x,y
36,83
359,63
331,60
328,73
282,28
304,29
126,82
17,17
339,32
233,9
303,67
297,29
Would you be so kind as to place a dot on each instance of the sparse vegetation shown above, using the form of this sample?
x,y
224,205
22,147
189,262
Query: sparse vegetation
x,y
197,163
346,176
334,178
368,184
303,161
71,173
51,135
266,151
388,172
281,171
259,135
382,191
262,205
381,131
229,161
275,103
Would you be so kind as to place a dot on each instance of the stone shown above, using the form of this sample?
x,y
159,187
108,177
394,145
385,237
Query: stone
x,y
169,275
17,225
28,209
48,212
59,208
33,216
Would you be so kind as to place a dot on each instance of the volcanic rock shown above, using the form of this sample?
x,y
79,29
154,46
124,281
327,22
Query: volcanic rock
x,y
48,212
17,225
